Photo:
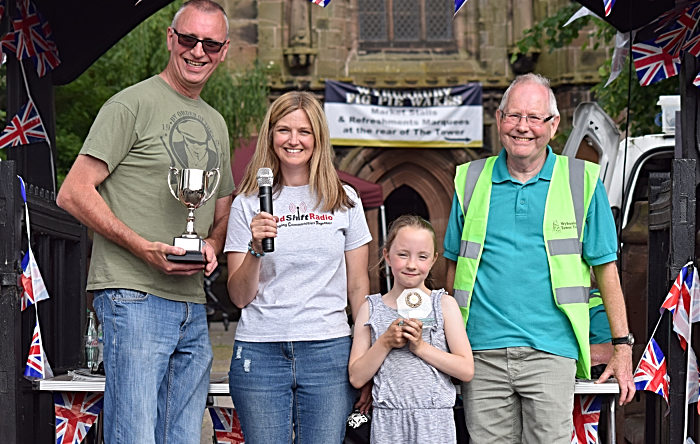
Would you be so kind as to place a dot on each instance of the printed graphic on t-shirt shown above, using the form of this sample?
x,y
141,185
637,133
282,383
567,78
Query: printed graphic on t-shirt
x,y
299,215
189,141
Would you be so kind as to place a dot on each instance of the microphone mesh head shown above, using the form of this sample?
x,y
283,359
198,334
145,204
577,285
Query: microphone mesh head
x,y
264,177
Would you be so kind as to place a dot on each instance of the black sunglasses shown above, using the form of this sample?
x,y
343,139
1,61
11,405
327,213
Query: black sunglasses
x,y
190,42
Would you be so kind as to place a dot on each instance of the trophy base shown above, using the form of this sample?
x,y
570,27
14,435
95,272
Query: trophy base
x,y
193,255
190,257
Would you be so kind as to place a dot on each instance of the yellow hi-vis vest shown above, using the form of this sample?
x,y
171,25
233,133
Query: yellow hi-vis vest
x,y
570,192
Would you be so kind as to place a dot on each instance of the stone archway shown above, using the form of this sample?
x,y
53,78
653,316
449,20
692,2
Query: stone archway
x,y
429,172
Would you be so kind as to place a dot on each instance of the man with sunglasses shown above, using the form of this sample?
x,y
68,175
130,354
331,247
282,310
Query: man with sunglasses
x,y
525,227
157,353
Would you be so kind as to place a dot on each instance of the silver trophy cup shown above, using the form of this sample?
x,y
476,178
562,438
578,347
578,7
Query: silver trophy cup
x,y
193,191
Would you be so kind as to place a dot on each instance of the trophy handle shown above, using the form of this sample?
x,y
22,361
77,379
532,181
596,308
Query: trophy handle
x,y
211,192
170,180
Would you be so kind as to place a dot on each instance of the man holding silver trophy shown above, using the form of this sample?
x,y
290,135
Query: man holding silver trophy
x,y
149,141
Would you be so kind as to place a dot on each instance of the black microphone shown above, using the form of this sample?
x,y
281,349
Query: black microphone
x,y
265,193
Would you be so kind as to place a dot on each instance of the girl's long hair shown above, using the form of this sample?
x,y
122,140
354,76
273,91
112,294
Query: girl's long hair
x,y
323,179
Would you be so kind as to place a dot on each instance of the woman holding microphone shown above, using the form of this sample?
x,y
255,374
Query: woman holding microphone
x,y
289,371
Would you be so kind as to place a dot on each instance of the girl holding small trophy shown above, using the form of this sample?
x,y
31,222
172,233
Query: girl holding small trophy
x,y
411,340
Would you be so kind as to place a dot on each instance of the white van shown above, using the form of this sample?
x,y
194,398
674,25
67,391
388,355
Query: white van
x,y
595,138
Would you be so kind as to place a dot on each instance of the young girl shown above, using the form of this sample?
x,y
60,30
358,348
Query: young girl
x,y
413,394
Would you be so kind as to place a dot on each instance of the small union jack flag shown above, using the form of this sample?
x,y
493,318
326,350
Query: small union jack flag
x,y
38,366
586,417
653,63
323,3
47,60
33,287
458,5
24,128
694,313
651,372
678,302
608,5
673,39
692,45
75,413
692,378
28,34
8,43
669,16
32,35
226,425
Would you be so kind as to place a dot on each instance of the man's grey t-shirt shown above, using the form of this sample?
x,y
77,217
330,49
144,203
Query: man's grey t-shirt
x,y
140,133
302,291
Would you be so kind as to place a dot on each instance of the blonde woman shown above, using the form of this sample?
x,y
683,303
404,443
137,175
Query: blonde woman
x,y
289,372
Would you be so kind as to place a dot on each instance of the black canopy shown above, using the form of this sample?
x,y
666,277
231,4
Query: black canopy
x,y
627,15
86,29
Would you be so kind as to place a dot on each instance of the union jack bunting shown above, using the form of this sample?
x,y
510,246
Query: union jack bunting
x,y
608,5
24,128
619,54
693,378
653,63
227,427
38,366
678,302
694,313
29,37
323,3
32,35
586,417
8,43
692,45
669,16
673,39
458,5
47,60
75,413
651,372
33,287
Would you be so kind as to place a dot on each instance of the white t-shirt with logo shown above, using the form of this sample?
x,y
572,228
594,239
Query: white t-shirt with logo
x,y
302,291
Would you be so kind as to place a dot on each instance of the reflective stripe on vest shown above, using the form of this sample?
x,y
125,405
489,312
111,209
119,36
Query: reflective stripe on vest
x,y
570,192
468,177
595,299
469,250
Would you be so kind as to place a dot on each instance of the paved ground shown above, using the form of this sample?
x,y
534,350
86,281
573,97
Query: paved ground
x,y
222,345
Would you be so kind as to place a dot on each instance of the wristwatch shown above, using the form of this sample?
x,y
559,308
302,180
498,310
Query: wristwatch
x,y
628,340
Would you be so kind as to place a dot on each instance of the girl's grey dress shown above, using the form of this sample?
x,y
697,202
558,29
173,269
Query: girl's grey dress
x,y
412,400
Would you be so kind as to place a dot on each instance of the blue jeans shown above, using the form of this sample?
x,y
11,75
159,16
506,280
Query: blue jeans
x,y
157,359
280,387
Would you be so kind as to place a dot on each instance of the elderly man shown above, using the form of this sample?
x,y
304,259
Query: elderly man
x,y
157,352
524,229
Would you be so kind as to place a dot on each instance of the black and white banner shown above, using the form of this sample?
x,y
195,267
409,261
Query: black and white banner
x,y
450,117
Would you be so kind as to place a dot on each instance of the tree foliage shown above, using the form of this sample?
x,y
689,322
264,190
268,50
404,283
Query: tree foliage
x,y
241,97
552,34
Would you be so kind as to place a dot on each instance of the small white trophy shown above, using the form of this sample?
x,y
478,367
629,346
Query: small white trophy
x,y
417,304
